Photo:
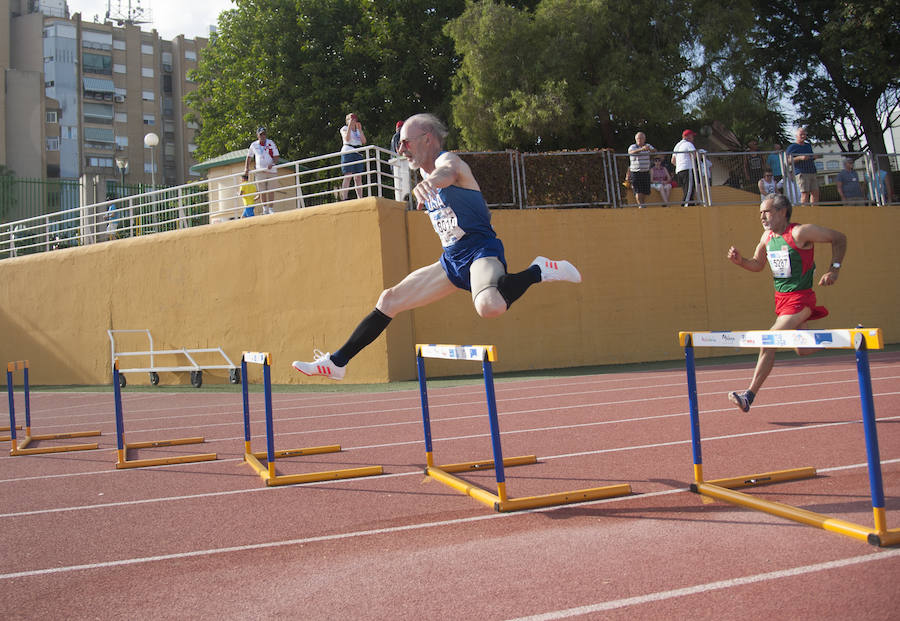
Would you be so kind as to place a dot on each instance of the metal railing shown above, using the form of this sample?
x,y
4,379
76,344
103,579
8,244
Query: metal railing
x,y
509,179
303,183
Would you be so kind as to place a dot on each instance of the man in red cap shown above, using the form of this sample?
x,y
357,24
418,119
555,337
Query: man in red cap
x,y
683,159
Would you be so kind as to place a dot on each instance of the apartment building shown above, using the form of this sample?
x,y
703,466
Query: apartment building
x,y
81,96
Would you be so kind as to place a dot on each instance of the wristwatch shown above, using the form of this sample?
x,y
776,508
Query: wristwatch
x,y
836,265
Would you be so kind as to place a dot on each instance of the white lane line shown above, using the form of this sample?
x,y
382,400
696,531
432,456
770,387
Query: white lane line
x,y
712,586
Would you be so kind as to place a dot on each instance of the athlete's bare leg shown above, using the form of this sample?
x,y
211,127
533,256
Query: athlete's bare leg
x,y
484,275
766,359
422,287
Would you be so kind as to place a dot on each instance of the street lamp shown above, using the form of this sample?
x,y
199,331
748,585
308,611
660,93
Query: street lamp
x,y
150,141
122,164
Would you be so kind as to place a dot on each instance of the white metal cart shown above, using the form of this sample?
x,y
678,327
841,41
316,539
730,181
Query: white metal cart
x,y
196,369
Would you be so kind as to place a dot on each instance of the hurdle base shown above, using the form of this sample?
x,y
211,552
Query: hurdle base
x,y
123,461
762,478
796,514
312,450
885,539
21,448
503,505
487,464
272,479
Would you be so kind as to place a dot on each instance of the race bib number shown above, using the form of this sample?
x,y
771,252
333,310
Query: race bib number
x,y
444,221
780,262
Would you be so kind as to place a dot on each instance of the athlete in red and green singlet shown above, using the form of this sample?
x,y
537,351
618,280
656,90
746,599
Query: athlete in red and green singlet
x,y
788,249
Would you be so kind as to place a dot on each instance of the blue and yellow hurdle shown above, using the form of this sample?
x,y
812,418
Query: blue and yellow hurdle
x,y
859,339
123,447
267,470
487,355
16,448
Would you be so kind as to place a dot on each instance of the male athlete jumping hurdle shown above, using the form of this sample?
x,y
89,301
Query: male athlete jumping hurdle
x,y
473,257
789,249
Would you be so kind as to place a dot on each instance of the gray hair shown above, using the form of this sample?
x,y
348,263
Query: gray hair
x,y
779,202
431,124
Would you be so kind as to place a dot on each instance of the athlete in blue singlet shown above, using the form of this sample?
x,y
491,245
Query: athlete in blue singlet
x,y
472,259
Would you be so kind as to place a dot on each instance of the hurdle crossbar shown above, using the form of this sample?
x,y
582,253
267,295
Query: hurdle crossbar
x,y
122,447
263,462
17,448
501,502
858,339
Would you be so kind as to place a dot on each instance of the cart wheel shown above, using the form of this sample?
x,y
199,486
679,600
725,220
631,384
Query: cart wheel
x,y
122,381
154,378
196,379
234,376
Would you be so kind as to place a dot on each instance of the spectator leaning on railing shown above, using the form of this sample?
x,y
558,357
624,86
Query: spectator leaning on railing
x,y
640,167
800,157
848,185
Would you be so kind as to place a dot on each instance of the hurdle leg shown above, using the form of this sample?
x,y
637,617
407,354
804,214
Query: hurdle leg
x,y
12,411
270,427
691,371
426,418
495,428
876,486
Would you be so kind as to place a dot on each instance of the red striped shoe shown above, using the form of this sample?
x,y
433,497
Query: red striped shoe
x,y
321,366
561,271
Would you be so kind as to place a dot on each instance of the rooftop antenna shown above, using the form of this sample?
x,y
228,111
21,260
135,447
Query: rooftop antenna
x,y
133,13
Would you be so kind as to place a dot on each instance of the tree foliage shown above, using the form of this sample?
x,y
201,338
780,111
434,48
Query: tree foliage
x,y
299,66
840,57
569,74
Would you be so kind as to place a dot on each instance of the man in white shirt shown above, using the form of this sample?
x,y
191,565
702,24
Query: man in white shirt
x,y
682,158
264,154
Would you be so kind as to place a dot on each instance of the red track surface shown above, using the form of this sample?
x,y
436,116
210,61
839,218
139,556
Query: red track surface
x,y
81,540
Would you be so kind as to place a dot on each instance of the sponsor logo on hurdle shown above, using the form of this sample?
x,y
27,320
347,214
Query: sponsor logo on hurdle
x,y
823,337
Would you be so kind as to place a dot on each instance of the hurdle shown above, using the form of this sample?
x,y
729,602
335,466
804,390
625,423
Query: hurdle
x,y
17,449
500,501
122,447
267,470
859,339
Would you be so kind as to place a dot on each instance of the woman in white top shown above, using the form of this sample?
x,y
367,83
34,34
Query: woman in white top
x,y
352,166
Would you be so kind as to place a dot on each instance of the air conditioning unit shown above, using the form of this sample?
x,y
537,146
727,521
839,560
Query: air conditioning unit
x,y
120,98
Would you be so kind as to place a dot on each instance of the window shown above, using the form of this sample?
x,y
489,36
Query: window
x,y
98,112
121,117
149,119
49,84
99,135
53,144
190,55
118,44
119,68
100,162
96,63
146,49
122,141
147,72
96,40
148,95
121,92
150,167
52,116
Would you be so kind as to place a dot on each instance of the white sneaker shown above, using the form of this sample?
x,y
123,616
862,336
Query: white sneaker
x,y
321,366
552,271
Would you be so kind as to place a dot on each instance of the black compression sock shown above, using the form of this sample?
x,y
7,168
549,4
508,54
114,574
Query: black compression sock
x,y
512,286
366,332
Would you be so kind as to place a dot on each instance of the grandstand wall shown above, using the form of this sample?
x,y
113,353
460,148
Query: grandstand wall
x,y
302,279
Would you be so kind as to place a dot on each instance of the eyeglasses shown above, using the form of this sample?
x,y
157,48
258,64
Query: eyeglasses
x,y
405,142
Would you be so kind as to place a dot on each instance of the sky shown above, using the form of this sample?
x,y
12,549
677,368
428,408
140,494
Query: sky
x,y
192,18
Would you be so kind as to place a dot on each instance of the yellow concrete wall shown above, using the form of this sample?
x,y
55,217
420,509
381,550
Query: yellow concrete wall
x,y
304,278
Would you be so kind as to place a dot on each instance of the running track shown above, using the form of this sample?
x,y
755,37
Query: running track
x,y
81,540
